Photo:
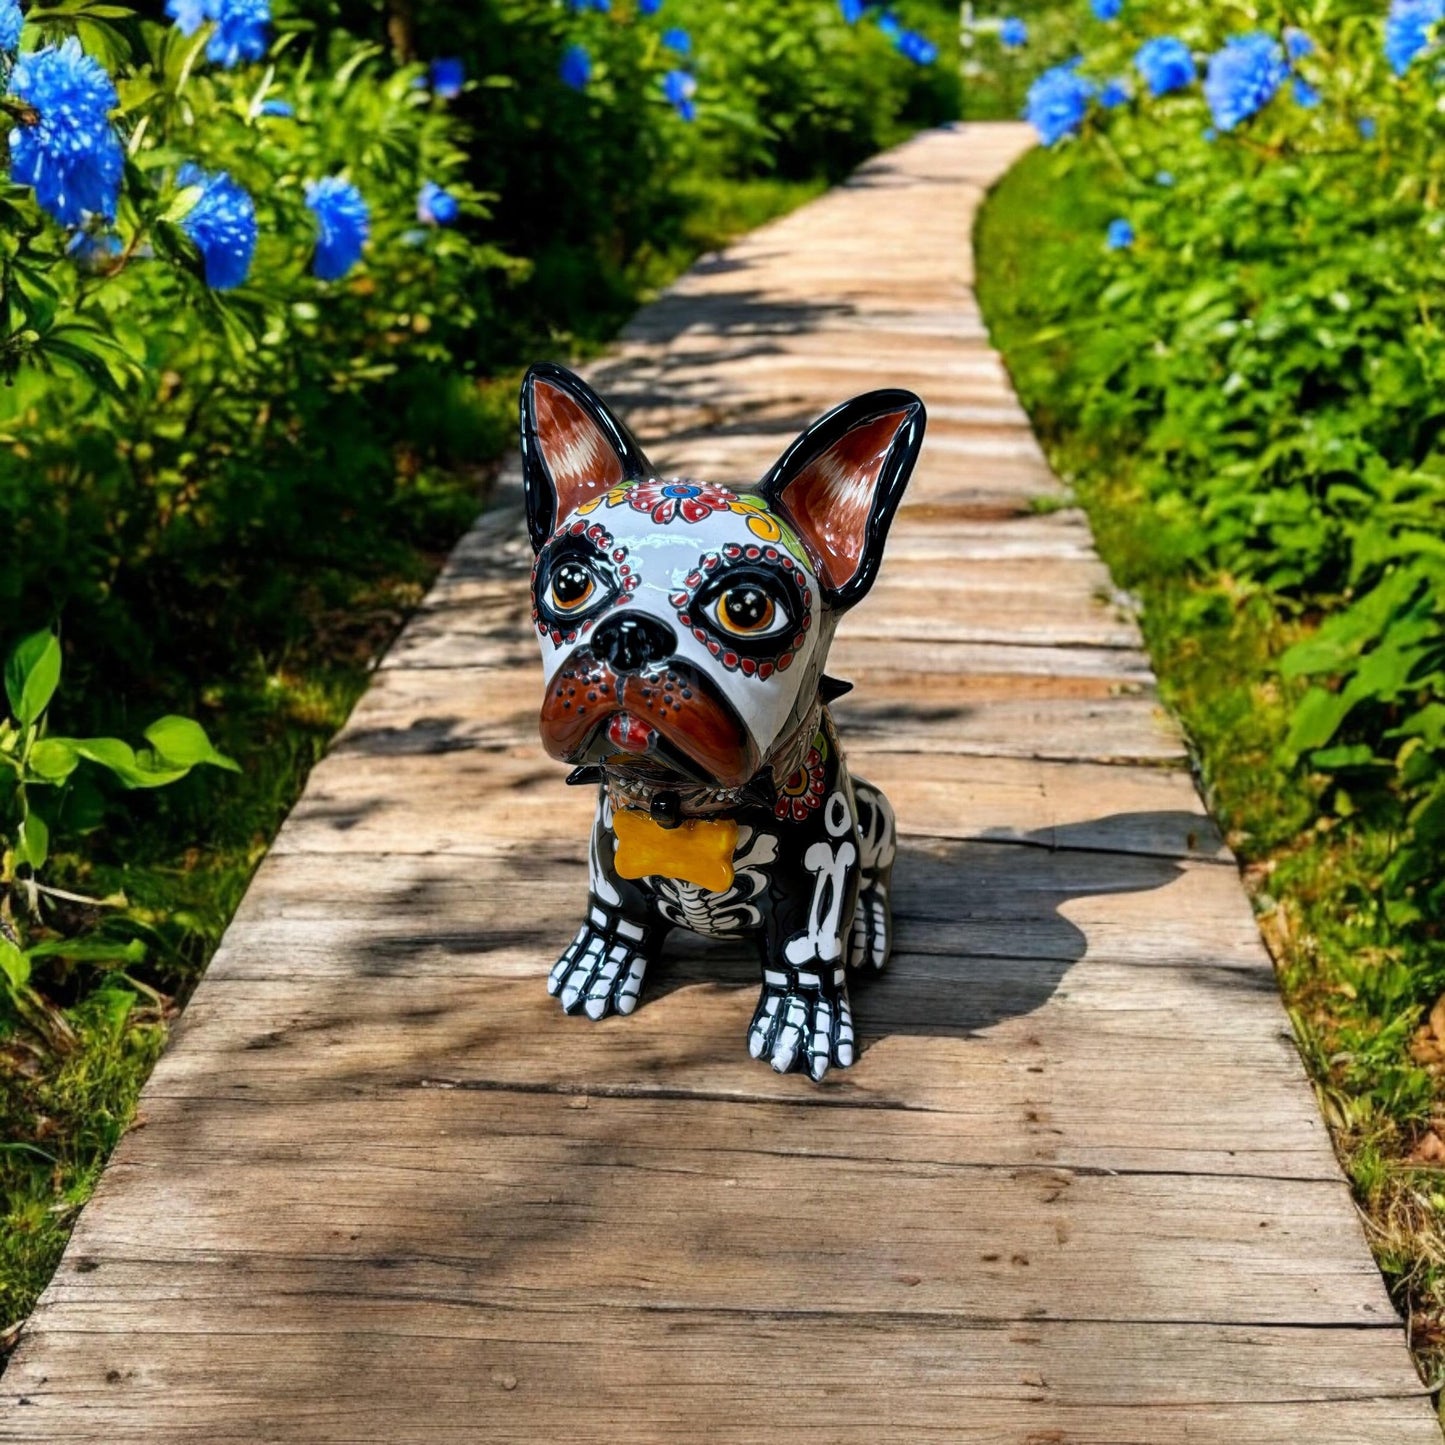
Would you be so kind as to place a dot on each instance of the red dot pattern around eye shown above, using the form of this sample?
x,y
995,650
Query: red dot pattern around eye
x,y
761,668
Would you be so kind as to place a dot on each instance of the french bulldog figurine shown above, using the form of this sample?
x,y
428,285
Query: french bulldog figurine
x,y
684,628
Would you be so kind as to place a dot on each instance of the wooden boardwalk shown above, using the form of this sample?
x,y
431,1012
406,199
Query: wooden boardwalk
x,y
1075,1189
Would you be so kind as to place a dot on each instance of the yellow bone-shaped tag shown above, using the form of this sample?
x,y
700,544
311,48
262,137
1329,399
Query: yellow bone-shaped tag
x,y
699,850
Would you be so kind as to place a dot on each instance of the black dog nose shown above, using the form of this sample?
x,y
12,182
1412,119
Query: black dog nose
x,y
628,644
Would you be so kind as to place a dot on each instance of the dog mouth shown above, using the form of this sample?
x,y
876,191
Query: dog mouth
x,y
662,724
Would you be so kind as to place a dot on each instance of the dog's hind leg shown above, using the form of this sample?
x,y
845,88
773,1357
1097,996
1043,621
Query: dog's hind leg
x,y
871,938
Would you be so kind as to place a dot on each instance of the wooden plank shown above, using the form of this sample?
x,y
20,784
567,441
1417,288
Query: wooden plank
x,y
456,1373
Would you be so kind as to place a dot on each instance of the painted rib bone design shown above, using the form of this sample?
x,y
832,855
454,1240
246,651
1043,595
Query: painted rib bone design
x,y
684,628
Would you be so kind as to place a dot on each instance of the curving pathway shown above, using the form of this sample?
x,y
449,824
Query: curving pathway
x,y
1075,1190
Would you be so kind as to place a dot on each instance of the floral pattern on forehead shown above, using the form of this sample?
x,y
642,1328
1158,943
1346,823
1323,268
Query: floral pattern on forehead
x,y
667,501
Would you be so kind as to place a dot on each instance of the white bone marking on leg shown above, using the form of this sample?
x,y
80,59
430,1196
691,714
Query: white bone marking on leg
x,y
596,877
823,940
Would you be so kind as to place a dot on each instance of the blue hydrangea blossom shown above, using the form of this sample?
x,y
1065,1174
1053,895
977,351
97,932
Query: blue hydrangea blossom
x,y
190,15
1298,46
917,48
1166,65
1407,31
1305,94
222,223
435,206
71,155
576,67
1058,102
93,250
11,21
1107,9
677,39
447,75
1013,33
1120,235
343,223
1113,94
889,24
679,87
1243,78
1367,127
648,7
282,108
241,27
851,10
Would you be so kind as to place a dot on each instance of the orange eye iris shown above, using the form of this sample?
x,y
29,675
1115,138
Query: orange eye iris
x,y
746,611
572,587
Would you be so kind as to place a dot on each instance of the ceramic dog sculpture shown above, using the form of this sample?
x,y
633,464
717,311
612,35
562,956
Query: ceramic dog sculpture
x,y
685,627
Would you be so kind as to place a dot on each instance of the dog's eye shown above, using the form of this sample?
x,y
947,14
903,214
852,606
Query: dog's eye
x,y
573,587
747,611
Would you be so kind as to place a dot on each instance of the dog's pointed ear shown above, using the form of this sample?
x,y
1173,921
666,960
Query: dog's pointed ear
x,y
840,484
573,448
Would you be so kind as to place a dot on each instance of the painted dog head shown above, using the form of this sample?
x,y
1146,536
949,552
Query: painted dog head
x,y
685,625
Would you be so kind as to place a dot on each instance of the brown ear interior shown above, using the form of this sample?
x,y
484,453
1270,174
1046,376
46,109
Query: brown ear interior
x,y
831,498
580,457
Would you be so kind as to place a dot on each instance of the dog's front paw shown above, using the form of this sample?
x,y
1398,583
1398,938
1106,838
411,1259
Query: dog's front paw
x,y
803,1021
602,968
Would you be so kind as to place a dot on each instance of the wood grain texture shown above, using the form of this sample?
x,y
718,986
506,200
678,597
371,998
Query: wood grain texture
x,y
1075,1189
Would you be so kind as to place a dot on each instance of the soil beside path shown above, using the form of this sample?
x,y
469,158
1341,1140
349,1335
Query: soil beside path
x,y
1075,1189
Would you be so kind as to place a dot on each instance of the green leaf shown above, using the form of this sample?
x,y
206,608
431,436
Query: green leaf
x,y
33,842
91,950
52,760
14,966
134,770
31,676
1317,716
183,742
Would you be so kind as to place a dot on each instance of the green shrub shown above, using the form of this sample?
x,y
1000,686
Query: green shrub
x,y
1268,346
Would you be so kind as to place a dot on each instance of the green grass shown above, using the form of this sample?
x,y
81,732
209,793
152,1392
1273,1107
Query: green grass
x,y
271,692
1351,985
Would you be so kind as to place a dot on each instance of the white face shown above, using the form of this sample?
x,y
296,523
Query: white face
x,y
733,596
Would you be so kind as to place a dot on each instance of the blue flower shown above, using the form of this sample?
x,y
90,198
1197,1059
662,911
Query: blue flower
x,y
1164,178
677,39
11,21
917,48
435,206
1107,9
1114,94
1244,77
1057,102
889,24
852,10
222,223
576,67
283,108
1166,65
342,222
190,15
240,32
1120,236
1367,127
580,7
679,88
1013,33
1305,94
71,155
648,7
1297,45
447,75
91,250
1407,30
